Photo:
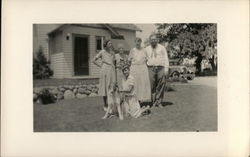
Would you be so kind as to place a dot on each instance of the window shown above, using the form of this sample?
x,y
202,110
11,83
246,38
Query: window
x,y
99,43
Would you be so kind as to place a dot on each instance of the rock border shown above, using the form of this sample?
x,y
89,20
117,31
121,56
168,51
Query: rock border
x,y
68,91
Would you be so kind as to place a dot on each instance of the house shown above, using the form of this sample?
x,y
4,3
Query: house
x,y
71,47
40,37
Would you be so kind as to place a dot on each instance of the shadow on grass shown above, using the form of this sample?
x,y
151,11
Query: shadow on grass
x,y
169,89
167,103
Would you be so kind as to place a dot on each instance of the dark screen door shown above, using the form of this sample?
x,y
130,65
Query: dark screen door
x,y
81,56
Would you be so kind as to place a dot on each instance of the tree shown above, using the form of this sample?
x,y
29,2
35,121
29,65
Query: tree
x,y
189,39
41,69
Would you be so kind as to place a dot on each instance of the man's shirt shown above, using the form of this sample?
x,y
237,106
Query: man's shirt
x,y
157,56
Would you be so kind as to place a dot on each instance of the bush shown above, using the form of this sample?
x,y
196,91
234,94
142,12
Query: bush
x,y
41,69
46,97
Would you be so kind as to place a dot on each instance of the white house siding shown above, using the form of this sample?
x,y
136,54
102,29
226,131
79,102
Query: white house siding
x,y
68,48
57,64
40,37
129,36
56,55
55,43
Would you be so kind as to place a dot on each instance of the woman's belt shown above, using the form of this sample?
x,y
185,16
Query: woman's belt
x,y
138,64
107,63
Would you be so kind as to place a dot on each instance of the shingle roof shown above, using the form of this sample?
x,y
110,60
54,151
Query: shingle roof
x,y
126,26
132,27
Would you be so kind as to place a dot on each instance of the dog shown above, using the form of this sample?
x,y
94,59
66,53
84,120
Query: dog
x,y
114,102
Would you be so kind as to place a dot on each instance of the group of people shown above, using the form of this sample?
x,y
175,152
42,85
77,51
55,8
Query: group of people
x,y
140,76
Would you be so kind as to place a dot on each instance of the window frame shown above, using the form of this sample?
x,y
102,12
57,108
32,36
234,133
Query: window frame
x,y
102,41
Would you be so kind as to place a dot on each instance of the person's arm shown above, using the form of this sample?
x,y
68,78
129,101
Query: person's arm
x,y
145,54
130,56
128,90
146,49
131,84
99,55
117,62
166,61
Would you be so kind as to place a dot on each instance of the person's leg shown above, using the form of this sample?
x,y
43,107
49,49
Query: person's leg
x,y
140,103
107,109
105,102
152,80
120,114
141,111
160,87
126,107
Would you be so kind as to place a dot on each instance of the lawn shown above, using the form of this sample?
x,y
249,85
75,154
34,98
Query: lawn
x,y
187,108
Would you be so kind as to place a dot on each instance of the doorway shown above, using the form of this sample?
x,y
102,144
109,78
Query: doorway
x,y
81,55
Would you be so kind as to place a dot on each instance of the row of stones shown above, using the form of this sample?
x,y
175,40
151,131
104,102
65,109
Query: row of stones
x,y
68,91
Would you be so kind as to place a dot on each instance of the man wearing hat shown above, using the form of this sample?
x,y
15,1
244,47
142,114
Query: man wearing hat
x,y
158,66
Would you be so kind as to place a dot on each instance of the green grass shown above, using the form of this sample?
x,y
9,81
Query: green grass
x,y
187,108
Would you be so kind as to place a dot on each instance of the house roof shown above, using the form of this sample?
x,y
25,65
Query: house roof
x,y
126,27
131,27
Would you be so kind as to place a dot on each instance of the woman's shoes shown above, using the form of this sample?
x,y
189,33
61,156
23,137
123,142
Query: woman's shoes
x,y
105,109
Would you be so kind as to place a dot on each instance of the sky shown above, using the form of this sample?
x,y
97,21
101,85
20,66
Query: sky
x,y
147,29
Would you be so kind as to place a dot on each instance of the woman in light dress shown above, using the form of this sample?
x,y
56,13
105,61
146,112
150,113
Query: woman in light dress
x,y
130,102
139,71
120,58
107,72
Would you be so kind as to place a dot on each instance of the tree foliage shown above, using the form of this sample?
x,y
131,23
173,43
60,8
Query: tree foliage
x,y
188,39
41,69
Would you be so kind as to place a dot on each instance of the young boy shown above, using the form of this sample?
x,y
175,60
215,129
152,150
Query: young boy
x,y
129,99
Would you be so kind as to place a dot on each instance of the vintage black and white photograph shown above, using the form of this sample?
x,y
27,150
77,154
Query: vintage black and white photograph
x,y
125,77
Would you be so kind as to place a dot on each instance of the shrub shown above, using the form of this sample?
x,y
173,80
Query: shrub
x,y
41,69
46,97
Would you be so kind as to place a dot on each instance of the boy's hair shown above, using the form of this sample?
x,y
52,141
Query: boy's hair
x,y
125,64
125,67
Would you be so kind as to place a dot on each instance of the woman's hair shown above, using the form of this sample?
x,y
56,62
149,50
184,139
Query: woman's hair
x,y
106,43
120,45
125,67
138,39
